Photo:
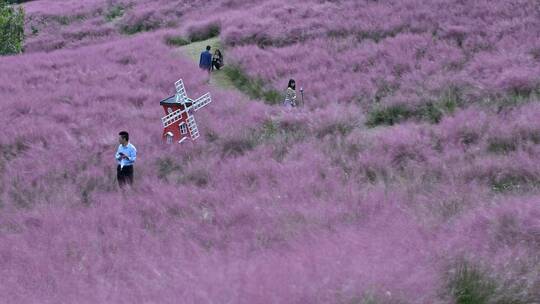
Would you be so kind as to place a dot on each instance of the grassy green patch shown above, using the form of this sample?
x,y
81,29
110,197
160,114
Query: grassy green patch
x,y
511,182
502,145
67,20
254,88
138,27
432,111
115,11
429,112
469,285
388,115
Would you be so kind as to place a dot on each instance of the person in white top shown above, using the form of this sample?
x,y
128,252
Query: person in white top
x,y
126,154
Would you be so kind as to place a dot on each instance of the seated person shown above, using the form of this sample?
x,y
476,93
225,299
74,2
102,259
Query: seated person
x,y
217,60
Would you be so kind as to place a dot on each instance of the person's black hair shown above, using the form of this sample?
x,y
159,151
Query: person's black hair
x,y
219,52
292,84
125,135
208,48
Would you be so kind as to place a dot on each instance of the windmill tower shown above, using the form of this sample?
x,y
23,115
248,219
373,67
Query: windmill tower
x,y
178,122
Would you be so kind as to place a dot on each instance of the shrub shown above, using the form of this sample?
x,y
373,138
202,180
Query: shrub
x,y
11,29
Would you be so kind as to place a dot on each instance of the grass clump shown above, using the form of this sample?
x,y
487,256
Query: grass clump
x,y
388,115
502,145
431,111
130,29
254,88
469,285
115,11
510,182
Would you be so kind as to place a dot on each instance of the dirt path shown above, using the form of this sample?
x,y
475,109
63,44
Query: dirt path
x,y
193,51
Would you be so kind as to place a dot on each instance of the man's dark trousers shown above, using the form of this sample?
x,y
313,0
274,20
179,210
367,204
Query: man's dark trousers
x,y
124,175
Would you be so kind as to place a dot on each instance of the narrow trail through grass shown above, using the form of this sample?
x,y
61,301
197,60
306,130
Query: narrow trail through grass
x,y
193,51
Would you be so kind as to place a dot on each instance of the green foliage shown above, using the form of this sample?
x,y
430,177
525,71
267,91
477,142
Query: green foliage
x,y
11,29
431,111
388,115
142,26
471,286
451,99
115,11
509,182
502,145
176,41
254,88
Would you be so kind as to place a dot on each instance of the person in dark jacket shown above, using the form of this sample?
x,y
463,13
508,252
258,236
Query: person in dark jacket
x,y
205,62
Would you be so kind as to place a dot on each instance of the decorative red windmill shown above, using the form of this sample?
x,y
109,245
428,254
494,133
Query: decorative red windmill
x,y
178,122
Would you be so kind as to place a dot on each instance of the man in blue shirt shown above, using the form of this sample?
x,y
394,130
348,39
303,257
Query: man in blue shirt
x,y
125,157
205,62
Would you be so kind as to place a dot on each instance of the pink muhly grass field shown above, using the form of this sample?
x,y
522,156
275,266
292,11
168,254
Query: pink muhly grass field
x,y
334,202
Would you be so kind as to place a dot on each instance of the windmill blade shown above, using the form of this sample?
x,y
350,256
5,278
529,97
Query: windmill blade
x,y
202,101
180,91
171,118
192,127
